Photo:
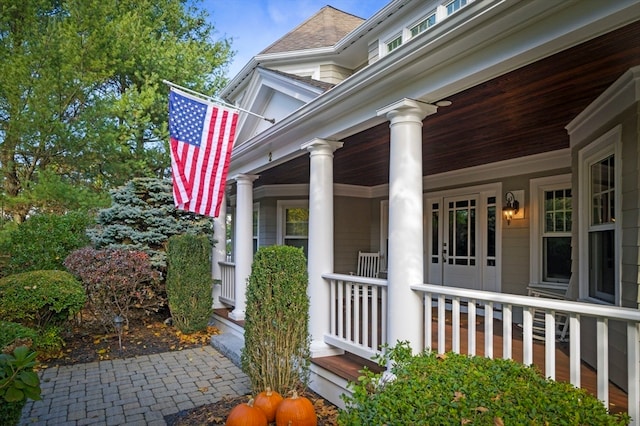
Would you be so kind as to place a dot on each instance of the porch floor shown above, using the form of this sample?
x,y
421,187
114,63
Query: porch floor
x,y
348,366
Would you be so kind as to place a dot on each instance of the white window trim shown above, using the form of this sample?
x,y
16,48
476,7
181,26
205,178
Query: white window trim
x,y
607,144
282,205
536,189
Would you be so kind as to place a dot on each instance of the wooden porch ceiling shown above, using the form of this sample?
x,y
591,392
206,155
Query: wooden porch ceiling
x,y
520,113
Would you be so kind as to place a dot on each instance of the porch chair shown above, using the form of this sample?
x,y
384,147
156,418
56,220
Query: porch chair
x,y
368,264
562,319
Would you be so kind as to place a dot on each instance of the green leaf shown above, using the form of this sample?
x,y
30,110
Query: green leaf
x,y
13,395
32,393
29,378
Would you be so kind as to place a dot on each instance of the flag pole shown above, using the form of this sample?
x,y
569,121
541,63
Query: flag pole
x,y
193,92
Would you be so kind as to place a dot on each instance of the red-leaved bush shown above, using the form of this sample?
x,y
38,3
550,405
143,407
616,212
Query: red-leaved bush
x,y
117,282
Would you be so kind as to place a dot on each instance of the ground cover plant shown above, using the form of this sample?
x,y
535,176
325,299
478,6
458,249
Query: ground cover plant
x,y
18,382
455,389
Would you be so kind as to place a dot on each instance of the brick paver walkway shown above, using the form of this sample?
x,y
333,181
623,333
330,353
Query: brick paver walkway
x,y
134,391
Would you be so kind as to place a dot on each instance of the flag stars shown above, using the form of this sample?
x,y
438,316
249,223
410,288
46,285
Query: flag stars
x,y
186,119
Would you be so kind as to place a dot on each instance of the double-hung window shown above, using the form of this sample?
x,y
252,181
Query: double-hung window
x,y
551,230
293,224
602,229
600,237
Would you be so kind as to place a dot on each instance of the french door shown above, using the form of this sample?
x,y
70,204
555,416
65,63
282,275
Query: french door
x,y
461,241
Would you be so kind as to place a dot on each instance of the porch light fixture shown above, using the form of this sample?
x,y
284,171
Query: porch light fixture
x,y
511,208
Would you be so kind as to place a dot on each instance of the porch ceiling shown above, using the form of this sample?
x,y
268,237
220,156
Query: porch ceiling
x,y
520,113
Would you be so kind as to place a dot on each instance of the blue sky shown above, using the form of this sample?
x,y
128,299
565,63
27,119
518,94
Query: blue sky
x,y
255,24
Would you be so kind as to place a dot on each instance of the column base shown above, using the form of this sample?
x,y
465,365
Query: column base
x,y
318,349
236,315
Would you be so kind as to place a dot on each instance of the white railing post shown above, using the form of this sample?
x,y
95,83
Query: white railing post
x,y
602,330
633,361
574,350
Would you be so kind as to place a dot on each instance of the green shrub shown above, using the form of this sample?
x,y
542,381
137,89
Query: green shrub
x,y
453,389
117,282
43,241
40,299
276,350
189,282
11,332
18,382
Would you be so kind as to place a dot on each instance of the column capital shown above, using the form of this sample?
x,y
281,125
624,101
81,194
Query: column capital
x,y
322,145
407,110
242,178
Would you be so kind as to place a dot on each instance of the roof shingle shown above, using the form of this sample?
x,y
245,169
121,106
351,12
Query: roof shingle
x,y
324,29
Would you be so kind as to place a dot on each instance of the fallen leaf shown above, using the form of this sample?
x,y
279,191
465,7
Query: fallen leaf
x,y
457,396
497,421
482,409
203,389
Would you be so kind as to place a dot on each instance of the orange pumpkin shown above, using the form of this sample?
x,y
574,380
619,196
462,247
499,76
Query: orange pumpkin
x,y
268,401
296,411
246,414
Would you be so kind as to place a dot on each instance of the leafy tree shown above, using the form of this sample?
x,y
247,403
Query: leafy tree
x,y
82,97
142,217
43,242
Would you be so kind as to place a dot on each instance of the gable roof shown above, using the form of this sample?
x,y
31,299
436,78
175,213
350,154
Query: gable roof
x,y
324,29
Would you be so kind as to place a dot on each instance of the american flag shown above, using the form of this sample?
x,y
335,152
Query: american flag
x,y
202,136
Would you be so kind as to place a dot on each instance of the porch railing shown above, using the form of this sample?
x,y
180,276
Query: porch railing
x,y
358,323
358,314
228,290
473,302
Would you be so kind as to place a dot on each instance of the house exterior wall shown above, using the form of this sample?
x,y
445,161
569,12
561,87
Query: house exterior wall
x,y
628,120
352,231
334,74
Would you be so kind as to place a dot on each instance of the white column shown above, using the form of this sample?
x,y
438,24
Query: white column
x,y
406,234
320,244
243,249
219,251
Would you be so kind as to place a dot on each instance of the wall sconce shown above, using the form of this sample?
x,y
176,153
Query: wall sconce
x,y
512,207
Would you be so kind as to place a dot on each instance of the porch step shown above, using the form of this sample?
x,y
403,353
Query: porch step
x,y
229,345
346,366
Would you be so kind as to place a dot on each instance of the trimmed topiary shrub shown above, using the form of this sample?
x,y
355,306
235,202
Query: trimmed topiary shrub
x,y
43,241
276,349
454,389
189,282
40,299
117,282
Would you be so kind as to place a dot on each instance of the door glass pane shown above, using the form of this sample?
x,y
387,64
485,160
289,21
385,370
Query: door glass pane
x,y
435,244
462,234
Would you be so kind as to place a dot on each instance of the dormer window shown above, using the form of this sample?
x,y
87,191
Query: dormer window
x,y
394,43
423,25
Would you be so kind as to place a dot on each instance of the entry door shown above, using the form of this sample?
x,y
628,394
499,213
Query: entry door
x,y
461,242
